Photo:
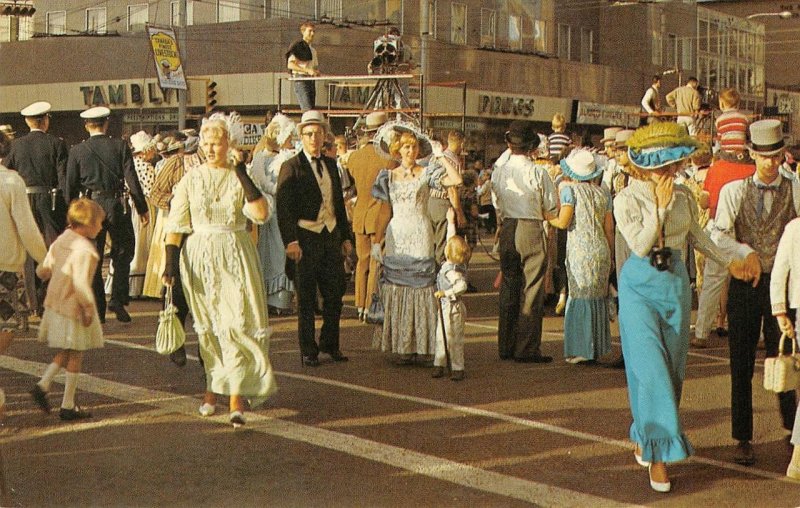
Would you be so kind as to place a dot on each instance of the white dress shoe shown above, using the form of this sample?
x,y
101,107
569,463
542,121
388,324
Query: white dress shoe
x,y
207,409
658,486
237,419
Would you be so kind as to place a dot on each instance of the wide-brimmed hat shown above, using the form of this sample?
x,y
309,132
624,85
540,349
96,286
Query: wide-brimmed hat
x,y
521,135
622,137
766,137
610,134
375,121
390,131
660,144
313,117
582,165
141,142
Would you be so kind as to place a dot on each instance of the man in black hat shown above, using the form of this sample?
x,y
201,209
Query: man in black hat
x,y
41,160
101,167
526,197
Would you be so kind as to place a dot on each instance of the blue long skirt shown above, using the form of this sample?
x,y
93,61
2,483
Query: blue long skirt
x,y
654,325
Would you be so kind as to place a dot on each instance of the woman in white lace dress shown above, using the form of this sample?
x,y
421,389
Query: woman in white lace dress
x,y
220,272
409,269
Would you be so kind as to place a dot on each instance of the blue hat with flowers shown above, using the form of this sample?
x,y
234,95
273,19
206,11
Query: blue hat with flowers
x,y
660,144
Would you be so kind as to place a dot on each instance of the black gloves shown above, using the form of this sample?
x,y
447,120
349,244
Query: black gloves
x,y
173,253
251,192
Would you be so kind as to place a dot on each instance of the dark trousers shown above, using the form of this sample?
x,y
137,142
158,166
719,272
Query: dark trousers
x,y
120,228
51,224
437,210
491,221
748,309
321,267
523,264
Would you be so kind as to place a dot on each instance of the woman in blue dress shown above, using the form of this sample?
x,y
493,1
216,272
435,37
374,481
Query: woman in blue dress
x,y
278,147
409,269
586,213
655,217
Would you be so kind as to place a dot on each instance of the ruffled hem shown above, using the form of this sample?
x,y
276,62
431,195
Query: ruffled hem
x,y
61,332
672,449
656,158
279,283
586,329
410,319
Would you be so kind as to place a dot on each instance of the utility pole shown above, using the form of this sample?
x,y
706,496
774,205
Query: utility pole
x,y
182,49
424,34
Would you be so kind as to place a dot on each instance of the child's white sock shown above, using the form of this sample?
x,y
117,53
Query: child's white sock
x,y
70,385
49,373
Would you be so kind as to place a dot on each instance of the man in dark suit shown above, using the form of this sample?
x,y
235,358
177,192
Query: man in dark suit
x,y
314,228
101,167
41,160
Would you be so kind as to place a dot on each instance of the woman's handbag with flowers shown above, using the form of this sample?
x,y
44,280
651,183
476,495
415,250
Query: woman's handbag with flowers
x,y
782,372
170,335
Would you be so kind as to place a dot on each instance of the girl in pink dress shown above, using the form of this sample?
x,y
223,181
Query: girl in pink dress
x,y
70,322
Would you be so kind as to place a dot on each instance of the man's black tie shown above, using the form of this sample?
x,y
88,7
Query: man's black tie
x,y
760,208
318,162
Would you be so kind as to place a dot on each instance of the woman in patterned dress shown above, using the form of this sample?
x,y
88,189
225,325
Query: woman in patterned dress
x,y
220,271
409,269
586,213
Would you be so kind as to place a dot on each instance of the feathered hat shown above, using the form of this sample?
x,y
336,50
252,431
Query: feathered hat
x,y
233,124
660,144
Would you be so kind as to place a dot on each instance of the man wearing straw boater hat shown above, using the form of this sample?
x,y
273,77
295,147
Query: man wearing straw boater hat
x,y
101,167
526,197
41,160
751,216
315,231
365,164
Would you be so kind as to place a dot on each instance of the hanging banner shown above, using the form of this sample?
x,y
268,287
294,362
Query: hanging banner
x,y
167,57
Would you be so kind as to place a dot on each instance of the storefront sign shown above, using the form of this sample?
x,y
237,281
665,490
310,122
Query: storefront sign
x,y
167,58
151,117
607,114
123,95
485,104
252,134
514,106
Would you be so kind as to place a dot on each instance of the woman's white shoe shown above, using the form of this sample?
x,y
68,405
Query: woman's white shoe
x,y
207,409
658,486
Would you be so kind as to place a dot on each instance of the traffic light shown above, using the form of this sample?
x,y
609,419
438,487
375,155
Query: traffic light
x,y
211,94
14,8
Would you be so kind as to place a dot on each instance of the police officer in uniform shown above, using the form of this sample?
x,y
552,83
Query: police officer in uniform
x,y
100,167
41,160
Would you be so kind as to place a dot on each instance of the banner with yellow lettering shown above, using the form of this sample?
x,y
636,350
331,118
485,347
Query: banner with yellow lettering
x,y
167,57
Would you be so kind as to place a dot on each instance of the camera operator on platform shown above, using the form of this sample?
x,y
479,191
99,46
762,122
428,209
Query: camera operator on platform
x,y
655,217
301,60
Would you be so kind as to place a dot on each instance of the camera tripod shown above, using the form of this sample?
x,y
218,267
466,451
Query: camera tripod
x,y
388,94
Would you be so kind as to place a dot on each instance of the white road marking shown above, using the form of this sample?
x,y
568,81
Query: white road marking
x,y
414,462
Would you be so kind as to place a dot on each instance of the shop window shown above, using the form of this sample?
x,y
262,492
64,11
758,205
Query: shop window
x,y
458,23
138,15
96,20
488,28
686,54
56,23
657,49
671,52
539,35
702,35
227,11
331,9
281,9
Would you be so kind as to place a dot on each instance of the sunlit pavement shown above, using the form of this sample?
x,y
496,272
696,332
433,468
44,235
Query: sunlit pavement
x,y
369,433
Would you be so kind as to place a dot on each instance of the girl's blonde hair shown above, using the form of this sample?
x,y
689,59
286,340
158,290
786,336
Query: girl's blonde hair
x,y
559,122
84,212
457,251
214,128
405,138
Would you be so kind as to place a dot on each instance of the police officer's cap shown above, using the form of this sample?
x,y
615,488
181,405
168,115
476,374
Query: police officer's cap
x,y
40,108
96,113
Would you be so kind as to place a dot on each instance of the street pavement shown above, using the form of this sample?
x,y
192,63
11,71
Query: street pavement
x,y
368,433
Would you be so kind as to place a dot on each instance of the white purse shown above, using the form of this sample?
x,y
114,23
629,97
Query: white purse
x,y
782,372
170,334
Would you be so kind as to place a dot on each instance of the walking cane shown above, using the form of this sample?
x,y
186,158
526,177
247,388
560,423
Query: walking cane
x,y
444,336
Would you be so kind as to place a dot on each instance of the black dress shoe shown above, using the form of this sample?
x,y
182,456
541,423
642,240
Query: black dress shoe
x,y
40,398
534,359
617,364
122,314
721,332
178,357
744,454
337,356
75,413
311,361
102,320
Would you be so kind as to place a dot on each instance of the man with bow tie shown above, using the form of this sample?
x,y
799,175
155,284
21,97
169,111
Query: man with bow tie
x,y
314,228
751,216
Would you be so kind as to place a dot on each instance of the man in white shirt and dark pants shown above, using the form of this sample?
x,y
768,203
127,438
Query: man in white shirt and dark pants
x,y
526,197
